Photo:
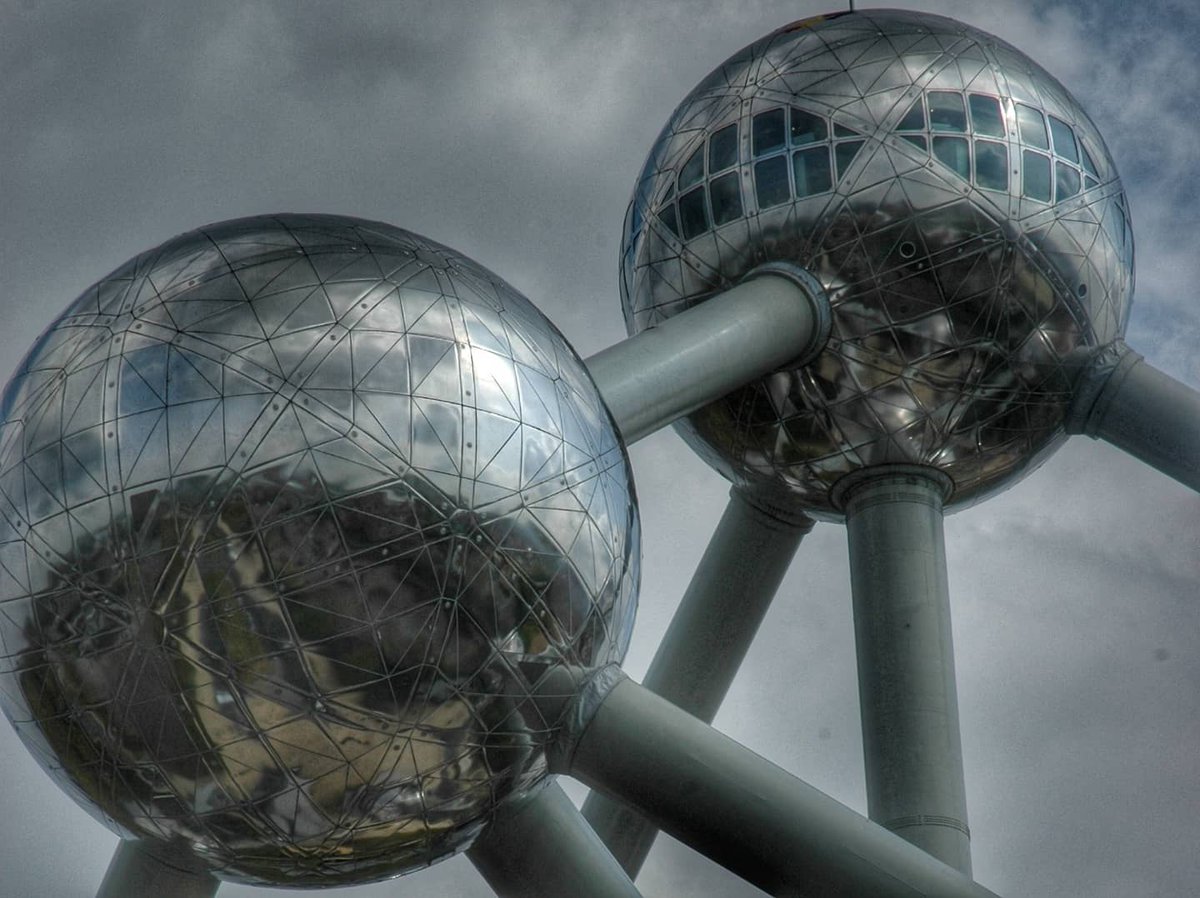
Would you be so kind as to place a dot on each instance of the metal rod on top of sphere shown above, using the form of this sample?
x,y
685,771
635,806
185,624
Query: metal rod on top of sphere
x,y
708,638
135,871
909,701
541,845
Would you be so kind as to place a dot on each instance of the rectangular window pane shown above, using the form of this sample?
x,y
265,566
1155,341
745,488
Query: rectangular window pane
x,y
1066,182
693,214
807,128
1064,139
767,133
725,197
986,115
844,154
991,165
1036,177
722,149
953,152
771,182
811,169
946,111
1033,126
916,140
693,170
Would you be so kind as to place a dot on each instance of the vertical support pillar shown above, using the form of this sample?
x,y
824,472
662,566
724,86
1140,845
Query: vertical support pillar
x,y
909,701
708,638
136,870
541,845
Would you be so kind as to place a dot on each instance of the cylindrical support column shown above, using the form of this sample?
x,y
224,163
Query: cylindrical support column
x,y
779,315
542,846
908,697
136,870
1128,402
758,821
720,612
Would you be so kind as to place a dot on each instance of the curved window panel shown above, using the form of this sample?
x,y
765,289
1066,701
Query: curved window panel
x,y
953,152
771,182
1089,165
723,149
725,198
767,133
1064,139
807,128
693,216
668,217
1066,182
1036,176
991,165
917,140
914,119
844,154
843,131
811,170
986,115
946,112
1032,126
693,170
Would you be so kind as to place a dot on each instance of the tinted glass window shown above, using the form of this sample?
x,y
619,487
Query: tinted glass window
x,y
693,215
986,116
843,131
844,153
1064,139
953,152
807,128
811,169
723,149
914,119
1036,168
667,217
767,134
991,165
1066,182
1033,127
725,198
693,170
771,182
946,111
916,140
1088,165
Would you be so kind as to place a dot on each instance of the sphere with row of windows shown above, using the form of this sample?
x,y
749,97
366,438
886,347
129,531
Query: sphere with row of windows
x,y
958,205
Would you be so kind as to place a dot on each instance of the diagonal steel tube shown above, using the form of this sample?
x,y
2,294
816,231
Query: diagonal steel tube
x,y
909,701
708,638
135,871
758,821
542,846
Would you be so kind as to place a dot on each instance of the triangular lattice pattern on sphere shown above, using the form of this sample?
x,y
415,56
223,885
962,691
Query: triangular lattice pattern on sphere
x,y
956,202
296,510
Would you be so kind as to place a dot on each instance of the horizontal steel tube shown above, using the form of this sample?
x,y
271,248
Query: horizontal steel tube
x,y
743,812
1150,415
708,638
542,846
135,872
704,353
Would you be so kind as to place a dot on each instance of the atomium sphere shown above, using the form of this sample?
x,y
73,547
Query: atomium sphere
x,y
294,513
961,211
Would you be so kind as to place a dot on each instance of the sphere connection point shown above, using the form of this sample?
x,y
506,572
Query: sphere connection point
x,y
296,512
961,211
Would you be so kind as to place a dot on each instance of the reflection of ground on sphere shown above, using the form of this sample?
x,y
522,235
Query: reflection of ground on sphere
x,y
296,511
962,212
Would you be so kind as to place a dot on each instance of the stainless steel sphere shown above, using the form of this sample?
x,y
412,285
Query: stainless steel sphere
x,y
294,511
960,209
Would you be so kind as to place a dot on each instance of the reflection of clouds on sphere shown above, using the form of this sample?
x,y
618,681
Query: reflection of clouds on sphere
x,y
295,511
958,205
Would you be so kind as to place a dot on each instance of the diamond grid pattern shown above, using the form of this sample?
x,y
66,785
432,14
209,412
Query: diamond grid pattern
x,y
961,312
295,509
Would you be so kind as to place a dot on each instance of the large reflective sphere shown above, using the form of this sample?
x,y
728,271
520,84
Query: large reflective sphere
x,y
294,512
956,202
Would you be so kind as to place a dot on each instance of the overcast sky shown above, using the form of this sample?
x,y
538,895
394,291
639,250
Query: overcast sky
x,y
513,132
